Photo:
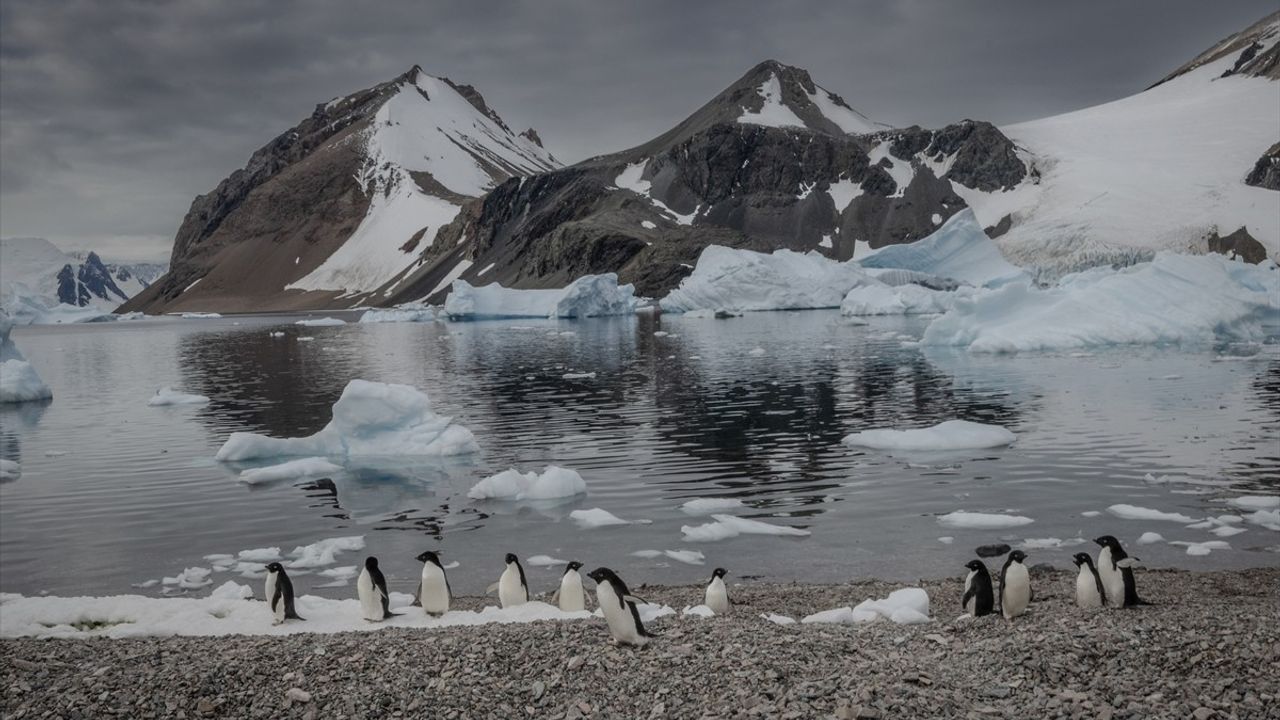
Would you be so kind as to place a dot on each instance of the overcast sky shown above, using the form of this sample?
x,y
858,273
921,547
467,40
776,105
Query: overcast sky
x,y
114,115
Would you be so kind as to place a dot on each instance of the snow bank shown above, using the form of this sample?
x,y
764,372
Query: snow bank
x,y
1174,298
706,506
408,312
553,483
320,322
730,526
1134,512
588,296
945,436
291,470
908,606
168,396
596,518
226,613
743,280
959,250
369,419
19,381
962,520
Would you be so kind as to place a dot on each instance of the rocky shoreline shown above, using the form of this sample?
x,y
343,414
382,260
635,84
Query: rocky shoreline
x,y
1208,648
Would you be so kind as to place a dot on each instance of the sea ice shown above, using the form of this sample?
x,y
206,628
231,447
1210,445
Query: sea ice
x,y
898,300
320,322
200,315
962,520
293,469
168,396
260,555
1134,512
945,436
554,483
193,578
370,418
706,506
1256,502
588,296
730,526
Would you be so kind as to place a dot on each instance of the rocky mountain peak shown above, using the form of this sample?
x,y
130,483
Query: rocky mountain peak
x,y
1252,52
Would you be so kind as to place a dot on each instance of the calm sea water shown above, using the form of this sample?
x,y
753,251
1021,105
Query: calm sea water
x,y
114,492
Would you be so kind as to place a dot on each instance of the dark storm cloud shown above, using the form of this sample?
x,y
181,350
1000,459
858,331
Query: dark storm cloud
x,y
113,115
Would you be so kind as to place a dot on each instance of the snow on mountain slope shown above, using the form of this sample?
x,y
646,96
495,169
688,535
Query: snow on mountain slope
x,y
427,149
35,269
1160,170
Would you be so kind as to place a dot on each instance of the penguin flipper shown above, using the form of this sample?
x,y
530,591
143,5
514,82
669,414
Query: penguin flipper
x,y
634,599
969,594
555,598
417,596
493,588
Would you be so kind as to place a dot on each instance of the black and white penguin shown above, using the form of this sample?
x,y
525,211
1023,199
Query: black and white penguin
x,y
1115,567
1015,586
279,594
434,592
512,588
1089,590
619,608
570,596
717,595
371,588
979,597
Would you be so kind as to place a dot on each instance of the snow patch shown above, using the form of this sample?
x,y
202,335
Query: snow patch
x,y
773,112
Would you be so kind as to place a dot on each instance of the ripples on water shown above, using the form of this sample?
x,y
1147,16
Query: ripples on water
x,y
114,492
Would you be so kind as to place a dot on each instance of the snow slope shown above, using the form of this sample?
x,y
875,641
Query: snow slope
x,y
1157,170
36,274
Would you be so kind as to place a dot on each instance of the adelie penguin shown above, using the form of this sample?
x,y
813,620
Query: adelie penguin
x,y
979,597
434,593
511,586
1089,590
570,596
1015,586
619,608
1115,567
279,594
717,595
371,588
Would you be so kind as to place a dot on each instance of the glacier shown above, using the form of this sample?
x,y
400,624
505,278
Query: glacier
x,y
588,296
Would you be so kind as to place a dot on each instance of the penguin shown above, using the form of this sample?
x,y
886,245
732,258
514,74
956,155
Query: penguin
x,y
434,592
371,588
1089,590
569,597
717,595
979,599
511,586
619,608
1115,567
1015,586
279,594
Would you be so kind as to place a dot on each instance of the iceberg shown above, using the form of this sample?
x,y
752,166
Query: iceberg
x,y
554,483
945,436
588,296
1172,299
321,322
408,312
727,279
907,299
291,470
959,250
169,396
19,381
369,419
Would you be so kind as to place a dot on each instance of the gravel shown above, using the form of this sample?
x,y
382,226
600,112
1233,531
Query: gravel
x,y
1208,648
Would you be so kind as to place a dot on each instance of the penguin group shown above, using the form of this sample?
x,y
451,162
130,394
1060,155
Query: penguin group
x,y
433,595
1107,583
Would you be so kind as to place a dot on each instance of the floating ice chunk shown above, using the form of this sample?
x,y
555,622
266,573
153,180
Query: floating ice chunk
x,y
945,436
1081,310
578,376
706,506
756,352
1269,519
743,280
9,469
588,296
1256,502
324,552
251,569
369,418
962,520
908,606
19,381
293,469
544,561
305,338
1219,521
1227,531
169,396
231,590
884,299
1091,513
778,619
146,583
946,540
698,611
200,315
960,250
276,334
193,578
688,557
1149,538
345,572
1052,542
1134,512
596,518
1202,548
554,483
320,322
409,312
260,555
729,526
650,554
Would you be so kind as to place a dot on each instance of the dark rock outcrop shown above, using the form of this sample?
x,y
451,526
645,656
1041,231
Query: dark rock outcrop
x,y
1246,47
984,159
1266,172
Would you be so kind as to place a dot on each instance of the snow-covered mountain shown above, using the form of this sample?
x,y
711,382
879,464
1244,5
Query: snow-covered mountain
x,y
343,203
35,268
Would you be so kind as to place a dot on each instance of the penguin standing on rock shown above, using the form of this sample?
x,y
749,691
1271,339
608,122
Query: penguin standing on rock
x,y
570,596
619,608
1115,567
717,595
1015,586
979,597
279,594
434,593
511,586
371,588
1089,590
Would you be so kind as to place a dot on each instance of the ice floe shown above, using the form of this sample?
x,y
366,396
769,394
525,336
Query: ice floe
x,y
544,561
1049,543
369,419
596,518
959,250
730,526
688,557
962,520
260,555
588,296
706,506
553,483
1135,512
1256,502
744,280
1269,519
291,470
169,396
945,436
908,606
